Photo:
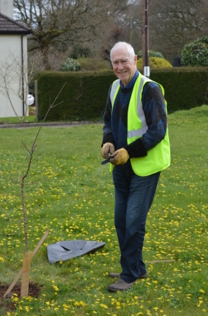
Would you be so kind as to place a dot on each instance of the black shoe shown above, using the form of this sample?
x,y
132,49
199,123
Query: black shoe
x,y
117,275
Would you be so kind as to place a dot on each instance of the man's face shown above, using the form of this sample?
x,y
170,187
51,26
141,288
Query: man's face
x,y
123,66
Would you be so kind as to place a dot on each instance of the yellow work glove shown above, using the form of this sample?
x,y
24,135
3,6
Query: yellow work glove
x,y
121,156
107,149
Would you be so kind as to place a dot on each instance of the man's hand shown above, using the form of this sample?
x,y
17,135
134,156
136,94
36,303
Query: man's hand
x,y
121,156
107,149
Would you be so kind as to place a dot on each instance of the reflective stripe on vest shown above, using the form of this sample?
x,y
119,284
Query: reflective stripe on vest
x,y
139,86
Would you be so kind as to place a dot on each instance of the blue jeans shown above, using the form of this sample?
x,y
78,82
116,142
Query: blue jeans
x,y
133,199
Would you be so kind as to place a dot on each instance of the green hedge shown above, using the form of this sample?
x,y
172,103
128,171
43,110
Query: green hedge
x,y
185,88
85,93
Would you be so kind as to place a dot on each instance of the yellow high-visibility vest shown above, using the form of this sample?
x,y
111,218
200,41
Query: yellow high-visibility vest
x,y
158,158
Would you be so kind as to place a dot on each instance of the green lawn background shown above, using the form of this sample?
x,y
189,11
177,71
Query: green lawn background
x,y
70,193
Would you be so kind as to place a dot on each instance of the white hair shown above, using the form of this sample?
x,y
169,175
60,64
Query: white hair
x,y
128,47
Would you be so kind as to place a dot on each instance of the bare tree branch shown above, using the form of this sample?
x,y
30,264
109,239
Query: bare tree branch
x,y
61,24
31,153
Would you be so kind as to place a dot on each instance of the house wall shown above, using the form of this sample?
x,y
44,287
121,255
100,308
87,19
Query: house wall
x,y
6,8
12,49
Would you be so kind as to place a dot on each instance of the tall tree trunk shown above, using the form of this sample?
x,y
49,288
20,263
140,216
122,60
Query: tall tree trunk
x,y
45,55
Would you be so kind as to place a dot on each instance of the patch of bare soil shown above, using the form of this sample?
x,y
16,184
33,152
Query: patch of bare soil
x,y
6,304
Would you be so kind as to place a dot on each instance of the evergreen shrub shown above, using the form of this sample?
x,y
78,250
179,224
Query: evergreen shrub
x,y
151,53
70,65
155,62
195,54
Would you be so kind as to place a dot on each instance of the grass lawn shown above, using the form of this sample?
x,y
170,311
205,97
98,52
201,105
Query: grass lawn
x,y
15,120
70,193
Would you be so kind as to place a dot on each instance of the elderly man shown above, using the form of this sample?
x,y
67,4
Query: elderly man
x,y
135,135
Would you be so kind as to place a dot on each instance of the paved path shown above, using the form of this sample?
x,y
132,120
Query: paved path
x,y
48,124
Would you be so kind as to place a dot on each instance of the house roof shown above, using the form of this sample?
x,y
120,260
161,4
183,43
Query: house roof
x,y
10,26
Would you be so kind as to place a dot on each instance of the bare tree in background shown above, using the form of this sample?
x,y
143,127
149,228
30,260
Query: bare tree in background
x,y
58,24
174,23
117,33
125,26
133,25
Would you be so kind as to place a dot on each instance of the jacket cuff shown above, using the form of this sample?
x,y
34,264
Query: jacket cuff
x,y
136,149
108,138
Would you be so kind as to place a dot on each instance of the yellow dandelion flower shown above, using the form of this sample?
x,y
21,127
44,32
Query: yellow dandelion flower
x,y
56,288
27,308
